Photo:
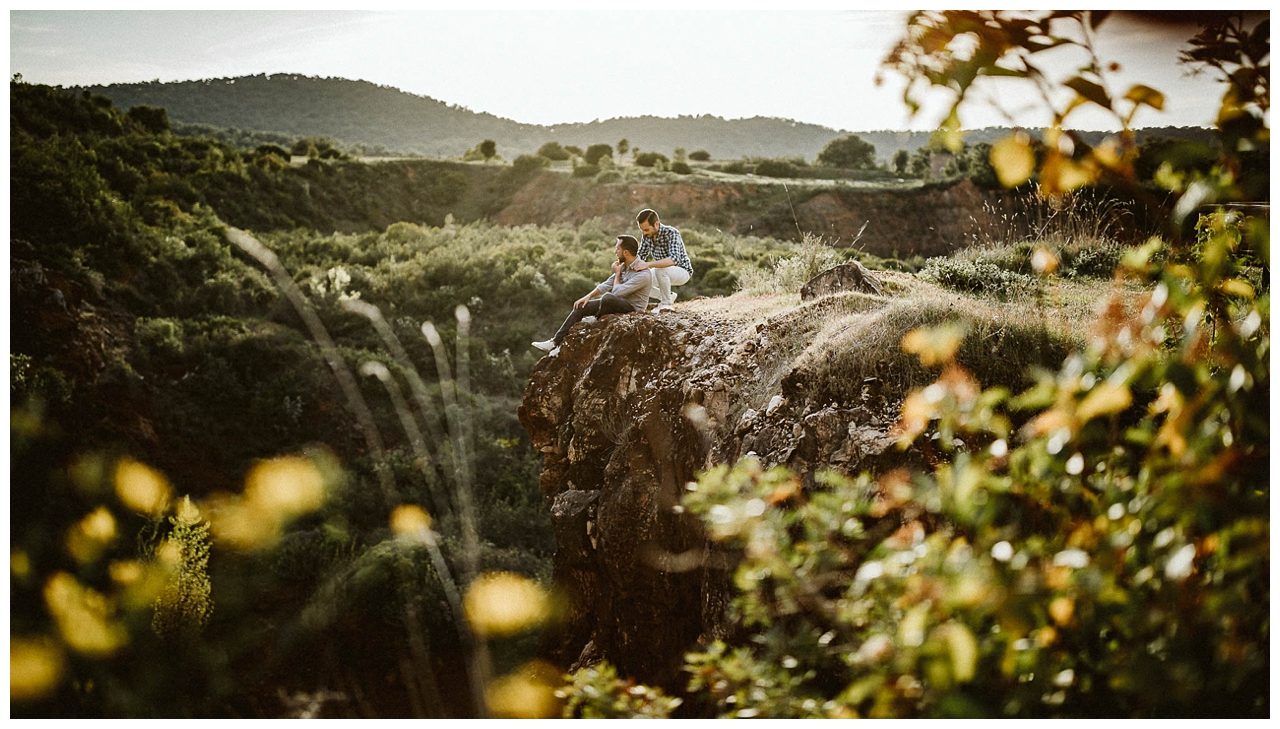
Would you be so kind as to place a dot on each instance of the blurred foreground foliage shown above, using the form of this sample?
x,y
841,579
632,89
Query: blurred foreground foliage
x,y
1097,545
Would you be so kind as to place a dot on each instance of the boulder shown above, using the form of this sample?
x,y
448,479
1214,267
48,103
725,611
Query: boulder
x,y
851,276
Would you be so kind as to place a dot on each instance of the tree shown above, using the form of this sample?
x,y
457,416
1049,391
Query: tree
x,y
553,151
978,162
488,149
623,146
700,155
900,160
850,152
595,152
919,164
680,155
151,119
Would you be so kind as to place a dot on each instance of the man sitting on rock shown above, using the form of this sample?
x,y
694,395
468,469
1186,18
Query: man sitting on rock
x,y
625,291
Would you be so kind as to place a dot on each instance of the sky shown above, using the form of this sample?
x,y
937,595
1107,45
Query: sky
x,y
551,66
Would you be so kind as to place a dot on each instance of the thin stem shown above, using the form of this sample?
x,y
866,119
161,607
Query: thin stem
x,y
439,500
346,381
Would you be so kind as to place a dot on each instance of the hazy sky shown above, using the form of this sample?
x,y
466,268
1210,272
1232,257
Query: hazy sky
x,y
554,66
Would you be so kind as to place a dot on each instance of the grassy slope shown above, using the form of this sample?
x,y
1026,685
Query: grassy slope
x,y
839,341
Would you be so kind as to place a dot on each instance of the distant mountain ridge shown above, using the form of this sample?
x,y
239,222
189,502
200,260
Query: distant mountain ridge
x,y
375,118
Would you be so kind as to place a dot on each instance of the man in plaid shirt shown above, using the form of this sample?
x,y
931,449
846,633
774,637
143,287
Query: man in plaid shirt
x,y
662,251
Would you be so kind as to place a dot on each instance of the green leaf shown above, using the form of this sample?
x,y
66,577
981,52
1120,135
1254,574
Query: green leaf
x,y
1013,160
1089,90
1145,95
963,648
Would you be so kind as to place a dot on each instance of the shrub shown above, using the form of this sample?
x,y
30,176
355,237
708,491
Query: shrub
x,y
1038,566
850,152
585,171
978,277
790,273
609,176
150,119
650,159
596,152
718,282
681,168
527,163
1098,260
700,155
775,168
553,151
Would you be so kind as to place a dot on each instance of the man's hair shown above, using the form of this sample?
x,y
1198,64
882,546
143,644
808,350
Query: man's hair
x,y
629,244
647,216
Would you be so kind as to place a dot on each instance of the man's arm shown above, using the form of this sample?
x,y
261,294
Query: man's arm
x,y
660,263
601,289
622,289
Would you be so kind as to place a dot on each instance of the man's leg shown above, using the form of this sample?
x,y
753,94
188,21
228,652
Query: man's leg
x,y
664,279
591,309
661,285
610,304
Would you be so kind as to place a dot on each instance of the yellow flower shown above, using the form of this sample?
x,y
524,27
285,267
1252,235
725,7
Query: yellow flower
x,y
285,487
502,603
934,345
35,668
141,487
83,616
411,521
91,535
527,693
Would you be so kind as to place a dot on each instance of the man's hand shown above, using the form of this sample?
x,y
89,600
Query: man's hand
x,y
640,265
617,266
581,302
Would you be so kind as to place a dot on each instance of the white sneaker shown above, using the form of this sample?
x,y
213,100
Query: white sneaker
x,y
546,345
674,295
589,320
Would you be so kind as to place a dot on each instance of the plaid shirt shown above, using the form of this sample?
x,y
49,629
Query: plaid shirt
x,y
665,243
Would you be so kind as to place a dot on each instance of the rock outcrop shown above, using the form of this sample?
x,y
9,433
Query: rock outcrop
x,y
851,276
625,415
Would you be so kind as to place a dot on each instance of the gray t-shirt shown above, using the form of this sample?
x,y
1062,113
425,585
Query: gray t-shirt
x,y
634,288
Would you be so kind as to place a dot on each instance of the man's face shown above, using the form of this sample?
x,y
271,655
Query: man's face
x,y
648,228
618,252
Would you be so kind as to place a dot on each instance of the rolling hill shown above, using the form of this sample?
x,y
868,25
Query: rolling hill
x,y
368,117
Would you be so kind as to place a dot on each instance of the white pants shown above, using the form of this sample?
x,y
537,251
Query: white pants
x,y
664,279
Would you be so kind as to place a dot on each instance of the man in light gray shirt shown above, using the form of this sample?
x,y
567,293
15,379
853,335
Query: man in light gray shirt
x,y
625,291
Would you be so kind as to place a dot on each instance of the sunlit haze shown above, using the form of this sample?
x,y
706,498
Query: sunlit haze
x,y
549,67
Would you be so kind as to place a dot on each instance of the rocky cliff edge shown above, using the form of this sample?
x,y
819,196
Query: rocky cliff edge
x,y
631,409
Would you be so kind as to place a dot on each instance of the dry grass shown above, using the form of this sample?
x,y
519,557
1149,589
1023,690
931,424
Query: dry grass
x,y
836,343
742,307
